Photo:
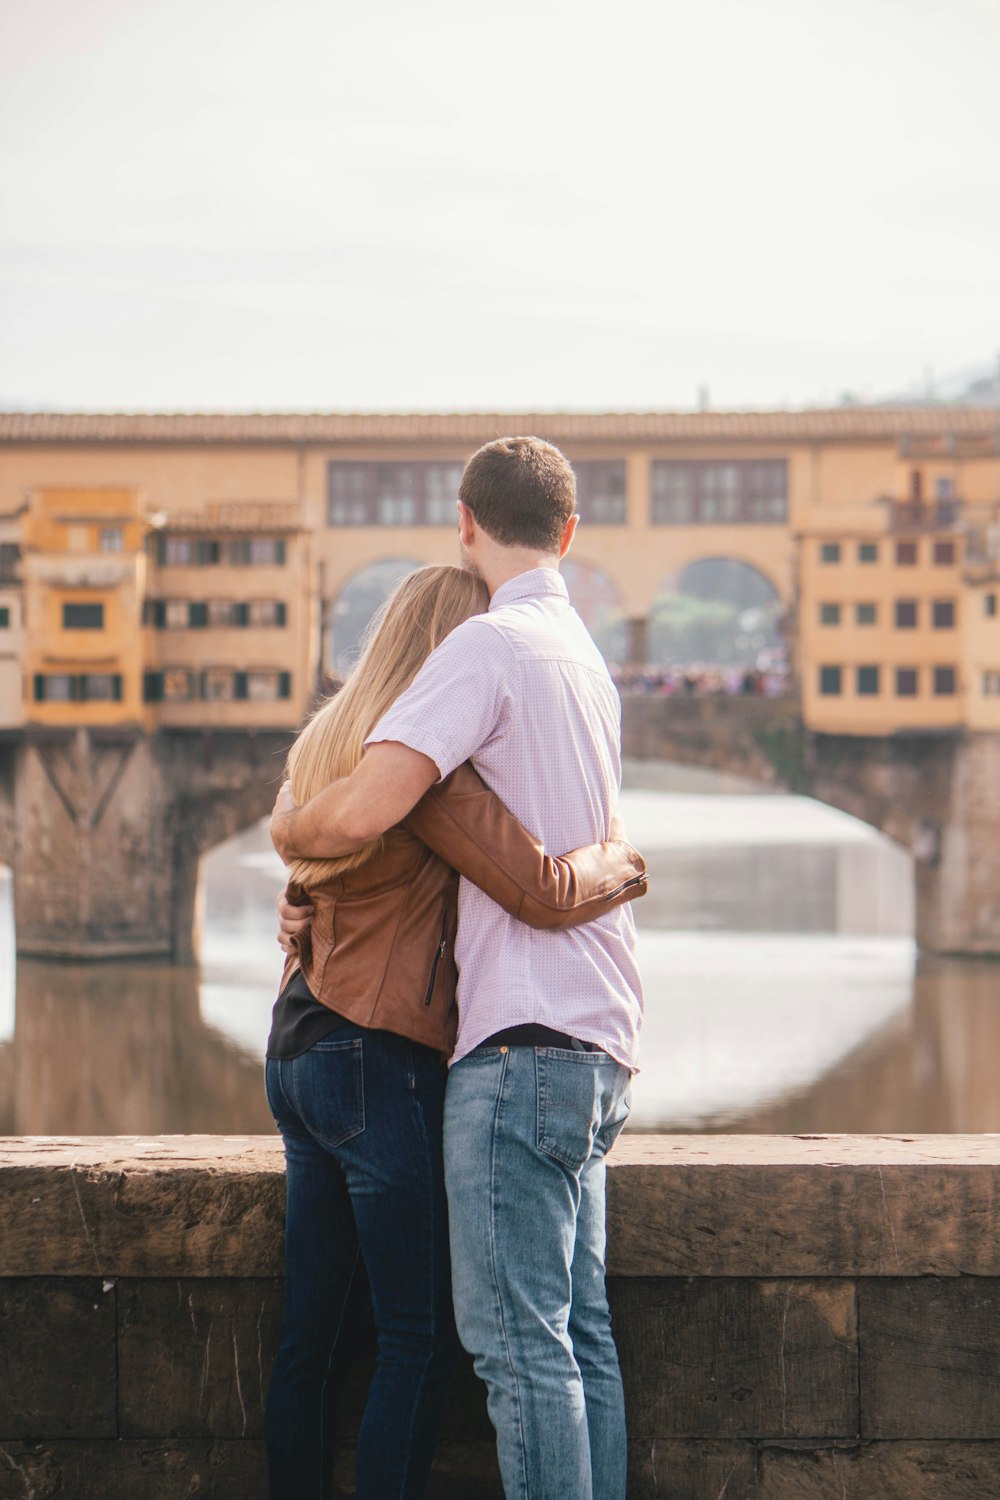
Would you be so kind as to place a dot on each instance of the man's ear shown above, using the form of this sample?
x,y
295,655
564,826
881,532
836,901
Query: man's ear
x,y
569,531
466,525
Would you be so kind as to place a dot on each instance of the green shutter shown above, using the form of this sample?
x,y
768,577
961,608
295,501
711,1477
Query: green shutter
x,y
284,684
161,548
152,687
241,614
239,684
279,550
116,687
39,687
197,614
281,614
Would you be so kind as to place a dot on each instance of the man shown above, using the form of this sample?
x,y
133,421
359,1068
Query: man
x,y
548,1022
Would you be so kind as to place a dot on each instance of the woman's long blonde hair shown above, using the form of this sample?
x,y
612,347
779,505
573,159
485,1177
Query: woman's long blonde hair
x,y
416,617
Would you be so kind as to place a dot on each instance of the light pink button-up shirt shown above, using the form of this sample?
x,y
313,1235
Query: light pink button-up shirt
x,y
525,695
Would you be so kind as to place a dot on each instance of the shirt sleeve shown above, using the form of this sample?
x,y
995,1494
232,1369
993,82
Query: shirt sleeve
x,y
457,701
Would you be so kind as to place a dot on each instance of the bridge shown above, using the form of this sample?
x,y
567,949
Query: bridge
x,y
186,577
932,792
104,828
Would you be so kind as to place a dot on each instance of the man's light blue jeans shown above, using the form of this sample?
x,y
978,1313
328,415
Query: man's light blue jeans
x,y
526,1132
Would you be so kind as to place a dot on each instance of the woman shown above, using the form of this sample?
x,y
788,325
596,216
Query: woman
x,y
355,1072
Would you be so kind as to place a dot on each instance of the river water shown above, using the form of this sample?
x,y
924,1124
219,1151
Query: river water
x,y
783,990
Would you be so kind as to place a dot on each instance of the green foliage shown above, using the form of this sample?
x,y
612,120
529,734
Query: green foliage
x,y
785,748
685,629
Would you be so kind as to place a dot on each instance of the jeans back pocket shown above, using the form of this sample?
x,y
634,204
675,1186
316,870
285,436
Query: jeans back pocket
x,y
569,1088
329,1082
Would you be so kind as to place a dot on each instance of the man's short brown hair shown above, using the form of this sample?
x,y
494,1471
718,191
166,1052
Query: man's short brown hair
x,y
521,491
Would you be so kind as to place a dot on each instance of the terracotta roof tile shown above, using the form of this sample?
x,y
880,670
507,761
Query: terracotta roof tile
x,y
473,428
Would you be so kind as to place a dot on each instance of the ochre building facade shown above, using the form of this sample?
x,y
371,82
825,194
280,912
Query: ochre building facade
x,y
181,570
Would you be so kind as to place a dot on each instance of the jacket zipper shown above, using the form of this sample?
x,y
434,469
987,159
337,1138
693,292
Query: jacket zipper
x,y
625,885
439,954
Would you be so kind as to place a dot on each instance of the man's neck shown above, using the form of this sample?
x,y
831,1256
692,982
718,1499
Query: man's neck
x,y
506,563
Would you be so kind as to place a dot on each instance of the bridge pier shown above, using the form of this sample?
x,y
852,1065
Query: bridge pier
x,y
936,794
957,855
104,831
637,640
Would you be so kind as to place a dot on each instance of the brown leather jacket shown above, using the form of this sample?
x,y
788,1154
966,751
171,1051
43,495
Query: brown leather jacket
x,y
380,950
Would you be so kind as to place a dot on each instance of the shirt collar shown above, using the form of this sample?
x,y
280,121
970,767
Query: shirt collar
x,y
534,584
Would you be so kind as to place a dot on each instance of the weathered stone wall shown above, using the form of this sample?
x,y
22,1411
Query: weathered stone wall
x,y
798,1318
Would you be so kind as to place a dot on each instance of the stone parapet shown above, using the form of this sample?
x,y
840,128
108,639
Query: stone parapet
x,y
796,1317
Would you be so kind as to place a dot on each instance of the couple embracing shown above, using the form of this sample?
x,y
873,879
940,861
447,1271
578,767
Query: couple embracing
x,y
479,733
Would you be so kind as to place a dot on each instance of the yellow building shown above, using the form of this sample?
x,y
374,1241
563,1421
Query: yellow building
x,y
143,619
228,618
902,635
897,625
83,567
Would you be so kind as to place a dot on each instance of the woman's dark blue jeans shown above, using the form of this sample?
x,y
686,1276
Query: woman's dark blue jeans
x,y
361,1114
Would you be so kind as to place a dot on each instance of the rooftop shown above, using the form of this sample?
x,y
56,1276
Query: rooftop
x,y
840,423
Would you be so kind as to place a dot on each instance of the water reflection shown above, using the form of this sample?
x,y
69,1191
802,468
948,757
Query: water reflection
x,y
122,1049
783,993
735,1021
934,1067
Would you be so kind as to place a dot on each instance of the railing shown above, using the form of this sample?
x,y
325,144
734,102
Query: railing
x,y
923,515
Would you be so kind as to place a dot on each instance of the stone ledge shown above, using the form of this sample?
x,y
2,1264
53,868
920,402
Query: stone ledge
x,y
834,1205
772,1206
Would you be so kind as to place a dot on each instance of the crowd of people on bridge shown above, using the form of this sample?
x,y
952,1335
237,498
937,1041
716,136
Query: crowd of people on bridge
x,y
702,681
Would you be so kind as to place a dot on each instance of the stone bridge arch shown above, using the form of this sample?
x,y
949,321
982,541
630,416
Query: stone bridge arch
x,y
773,559
717,610
656,573
350,607
746,582
931,793
598,600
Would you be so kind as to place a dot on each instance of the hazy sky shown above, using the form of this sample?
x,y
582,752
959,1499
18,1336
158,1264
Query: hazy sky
x,y
308,204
